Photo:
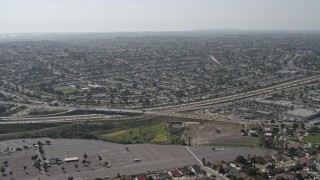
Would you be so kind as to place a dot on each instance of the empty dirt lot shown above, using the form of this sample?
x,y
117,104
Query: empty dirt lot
x,y
221,134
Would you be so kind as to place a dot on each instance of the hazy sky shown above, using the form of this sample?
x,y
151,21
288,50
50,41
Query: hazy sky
x,y
156,15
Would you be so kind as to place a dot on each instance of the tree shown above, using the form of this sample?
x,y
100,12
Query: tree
x,y
45,168
34,157
85,156
118,175
314,130
209,164
204,161
295,126
84,162
183,142
233,178
100,159
106,163
63,169
2,170
299,176
265,176
252,172
271,166
241,159
25,169
291,151
11,173
221,170
76,166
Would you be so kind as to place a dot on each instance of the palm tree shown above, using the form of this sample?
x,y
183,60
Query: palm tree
x,y
84,162
25,169
3,170
85,156
34,157
63,169
76,166
204,161
100,159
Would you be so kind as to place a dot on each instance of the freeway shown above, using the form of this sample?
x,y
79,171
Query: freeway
x,y
199,105
74,118
167,110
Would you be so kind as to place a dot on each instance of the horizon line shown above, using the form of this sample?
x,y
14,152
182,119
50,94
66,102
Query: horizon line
x,y
168,31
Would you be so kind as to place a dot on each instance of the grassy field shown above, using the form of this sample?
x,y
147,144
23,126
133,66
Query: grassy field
x,y
312,138
15,128
137,130
152,134
66,89
46,111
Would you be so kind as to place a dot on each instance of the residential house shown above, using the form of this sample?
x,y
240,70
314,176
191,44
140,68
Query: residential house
x,y
141,177
305,160
164,176
196,169
175,173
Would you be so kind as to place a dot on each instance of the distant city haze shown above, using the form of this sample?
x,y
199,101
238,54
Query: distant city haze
x,y
29,16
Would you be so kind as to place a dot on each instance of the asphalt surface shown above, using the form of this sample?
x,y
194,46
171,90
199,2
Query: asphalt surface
x,y
153,157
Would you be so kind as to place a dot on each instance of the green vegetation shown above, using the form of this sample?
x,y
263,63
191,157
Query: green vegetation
x,y
136,130
85,130
45,111
155,134
66,89
314,130
8,110
254,127
312,138
314,135
14,128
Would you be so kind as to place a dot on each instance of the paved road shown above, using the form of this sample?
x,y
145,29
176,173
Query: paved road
x,y
170,110
207,169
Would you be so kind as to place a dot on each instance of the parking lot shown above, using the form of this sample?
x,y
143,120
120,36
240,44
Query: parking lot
x,y
153,157
120,158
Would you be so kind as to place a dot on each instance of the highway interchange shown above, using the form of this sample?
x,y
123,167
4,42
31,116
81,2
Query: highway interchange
x,y
161,111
